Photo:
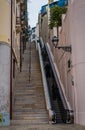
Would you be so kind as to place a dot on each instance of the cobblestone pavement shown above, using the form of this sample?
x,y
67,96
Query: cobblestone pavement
x,y
44,127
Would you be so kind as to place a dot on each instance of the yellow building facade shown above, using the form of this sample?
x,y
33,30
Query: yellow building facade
x,y
5,11
12,29
5,42
9,56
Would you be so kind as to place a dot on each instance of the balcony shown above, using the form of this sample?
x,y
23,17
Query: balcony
x,y
23,7
18,22
18,25
18,1
22,22
18,29
22,1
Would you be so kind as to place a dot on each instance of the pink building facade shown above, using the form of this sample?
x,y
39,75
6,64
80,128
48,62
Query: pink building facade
x,y
71,66
77,39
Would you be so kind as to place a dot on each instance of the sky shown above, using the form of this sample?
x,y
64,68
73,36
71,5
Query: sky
x,y
34,7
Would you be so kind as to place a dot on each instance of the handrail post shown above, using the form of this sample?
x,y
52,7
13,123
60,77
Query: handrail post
x,y
30,62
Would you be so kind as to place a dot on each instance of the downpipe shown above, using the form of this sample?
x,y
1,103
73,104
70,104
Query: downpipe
x,y
11,65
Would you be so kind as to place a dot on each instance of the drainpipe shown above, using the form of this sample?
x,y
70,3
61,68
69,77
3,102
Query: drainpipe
x,y
11,67
20,55
20,43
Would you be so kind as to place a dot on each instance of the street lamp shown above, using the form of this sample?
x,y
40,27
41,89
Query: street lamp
x,y
55,41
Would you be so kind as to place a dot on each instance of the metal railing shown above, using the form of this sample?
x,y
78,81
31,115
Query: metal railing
x,y
29,61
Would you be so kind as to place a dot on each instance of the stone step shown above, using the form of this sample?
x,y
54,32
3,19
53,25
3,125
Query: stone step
x,y
30,110
27,103
28,86
36,118
23,93
34,107
27,117
44,114
38,80
24,89
28,98
28,122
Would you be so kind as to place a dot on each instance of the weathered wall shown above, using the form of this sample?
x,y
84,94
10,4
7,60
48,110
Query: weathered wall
x,y
4,82
5,42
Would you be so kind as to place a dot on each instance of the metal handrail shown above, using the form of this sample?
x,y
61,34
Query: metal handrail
x,y
30,62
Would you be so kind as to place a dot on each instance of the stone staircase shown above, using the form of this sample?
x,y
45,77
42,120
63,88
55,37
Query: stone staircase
x,y
29,105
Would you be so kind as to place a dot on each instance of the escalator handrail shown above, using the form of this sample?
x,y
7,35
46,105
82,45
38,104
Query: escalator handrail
x,y
66,105
46,91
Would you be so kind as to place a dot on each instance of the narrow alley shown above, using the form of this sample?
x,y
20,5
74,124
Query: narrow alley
x,y
42,65
29,106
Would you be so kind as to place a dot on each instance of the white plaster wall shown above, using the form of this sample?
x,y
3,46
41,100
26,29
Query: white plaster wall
x,y
37,30
4,78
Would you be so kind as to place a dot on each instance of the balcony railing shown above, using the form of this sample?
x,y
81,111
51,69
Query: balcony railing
x,y
18,29
18,25
18,21
18,1
23,7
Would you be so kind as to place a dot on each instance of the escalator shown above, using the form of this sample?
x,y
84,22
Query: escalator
x,y
62,114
